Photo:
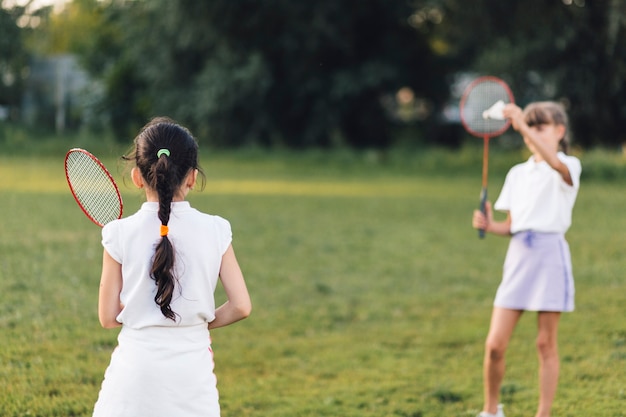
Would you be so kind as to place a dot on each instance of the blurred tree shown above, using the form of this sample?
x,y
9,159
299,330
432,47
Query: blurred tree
x,y
276,72
94,31
13,58
303,74
569,50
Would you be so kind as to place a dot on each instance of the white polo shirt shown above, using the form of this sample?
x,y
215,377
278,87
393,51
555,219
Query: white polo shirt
x,y
199,242
538,198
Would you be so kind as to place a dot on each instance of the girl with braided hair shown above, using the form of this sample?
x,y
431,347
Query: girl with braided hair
x,y
160,269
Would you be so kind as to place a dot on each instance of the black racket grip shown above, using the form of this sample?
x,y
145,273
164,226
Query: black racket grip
x,y
483,209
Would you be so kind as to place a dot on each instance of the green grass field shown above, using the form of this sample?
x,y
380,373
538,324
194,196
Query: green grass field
x,y
371,291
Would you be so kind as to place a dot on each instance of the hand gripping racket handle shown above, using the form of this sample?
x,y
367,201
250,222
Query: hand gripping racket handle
x,y
483,209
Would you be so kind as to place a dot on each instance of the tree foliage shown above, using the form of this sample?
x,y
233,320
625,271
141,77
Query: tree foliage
x,y
304,74
572,51
13,57
275,72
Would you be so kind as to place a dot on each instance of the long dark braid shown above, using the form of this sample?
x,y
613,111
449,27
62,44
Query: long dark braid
x,y
164,255
165,154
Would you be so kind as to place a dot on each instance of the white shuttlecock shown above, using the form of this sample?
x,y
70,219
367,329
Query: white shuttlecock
x,y
495,112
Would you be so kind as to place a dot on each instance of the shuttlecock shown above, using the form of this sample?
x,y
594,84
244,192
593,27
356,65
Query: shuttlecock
x,y
495,112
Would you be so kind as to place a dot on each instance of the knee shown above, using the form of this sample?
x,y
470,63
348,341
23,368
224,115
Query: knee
x,y
494,350
546,347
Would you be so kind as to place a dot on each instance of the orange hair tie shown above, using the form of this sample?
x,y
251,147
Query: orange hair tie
x,y
164,230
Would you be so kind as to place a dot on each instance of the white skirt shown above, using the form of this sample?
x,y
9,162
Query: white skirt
x,y
537,274
160,372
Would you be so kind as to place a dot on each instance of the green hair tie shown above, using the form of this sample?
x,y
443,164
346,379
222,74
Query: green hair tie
x,y
165,152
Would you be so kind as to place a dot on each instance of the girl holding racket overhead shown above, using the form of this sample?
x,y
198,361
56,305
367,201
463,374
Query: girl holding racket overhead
x,y
160,270
538,197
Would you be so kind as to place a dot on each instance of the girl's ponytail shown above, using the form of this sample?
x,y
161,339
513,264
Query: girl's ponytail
x,y
164,255
165,154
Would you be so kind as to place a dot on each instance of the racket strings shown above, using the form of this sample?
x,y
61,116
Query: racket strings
x,y
93,188
482,96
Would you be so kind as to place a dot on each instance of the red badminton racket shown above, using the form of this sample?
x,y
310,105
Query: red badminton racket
x,y
481,114
93,187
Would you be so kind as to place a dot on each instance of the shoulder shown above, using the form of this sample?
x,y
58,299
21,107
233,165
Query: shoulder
x,y
221,223
213,218
216,227
568,160
118,224
210,220
518,168
220,220
111,228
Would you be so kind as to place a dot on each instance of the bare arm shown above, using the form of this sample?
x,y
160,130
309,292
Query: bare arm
x,y
109,306
546,150
547,153
238,306
486,222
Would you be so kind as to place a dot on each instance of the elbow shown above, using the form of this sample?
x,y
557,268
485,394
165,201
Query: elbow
x,y
109,323
108,316
245,312
244,309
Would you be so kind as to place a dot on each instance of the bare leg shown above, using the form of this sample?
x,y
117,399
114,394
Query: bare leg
x,y
547,349
503,322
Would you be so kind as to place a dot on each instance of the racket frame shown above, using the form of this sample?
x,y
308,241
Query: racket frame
x,y
484,135
105,171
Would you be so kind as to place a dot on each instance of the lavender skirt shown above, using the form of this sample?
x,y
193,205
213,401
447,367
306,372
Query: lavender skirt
x,y
537,274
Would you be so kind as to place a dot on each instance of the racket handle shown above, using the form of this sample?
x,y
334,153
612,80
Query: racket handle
x,y
483,202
